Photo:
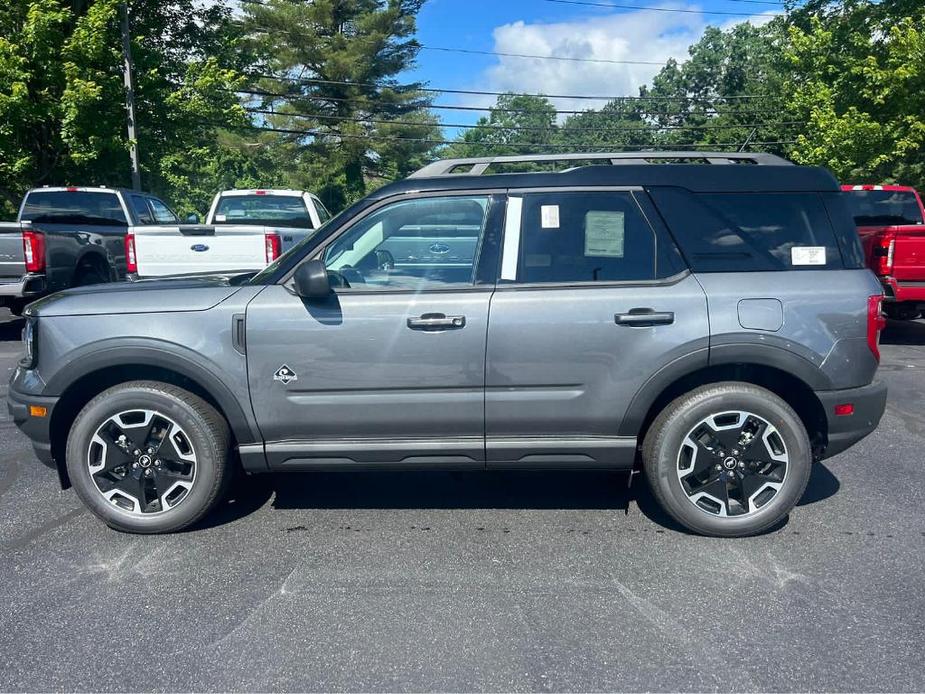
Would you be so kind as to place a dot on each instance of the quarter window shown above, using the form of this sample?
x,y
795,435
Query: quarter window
x,y
584,237
428,243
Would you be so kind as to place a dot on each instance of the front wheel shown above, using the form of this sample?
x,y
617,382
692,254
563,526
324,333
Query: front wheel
x,y
728,459
148,457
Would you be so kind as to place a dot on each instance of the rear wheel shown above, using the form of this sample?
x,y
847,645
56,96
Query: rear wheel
x,y
148,457
728,459
901,311
90,274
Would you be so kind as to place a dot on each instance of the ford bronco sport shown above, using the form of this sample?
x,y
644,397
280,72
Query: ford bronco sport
x,y
712,320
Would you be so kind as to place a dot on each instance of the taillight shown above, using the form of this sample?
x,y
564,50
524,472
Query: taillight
x,y
33,250
131,260
875,323
273,247
883,252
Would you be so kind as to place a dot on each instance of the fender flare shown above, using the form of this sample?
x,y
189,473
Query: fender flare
x,y
753,353
149,352
99,255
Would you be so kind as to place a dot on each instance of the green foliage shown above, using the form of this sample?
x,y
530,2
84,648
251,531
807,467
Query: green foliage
x,y
857,74
356,112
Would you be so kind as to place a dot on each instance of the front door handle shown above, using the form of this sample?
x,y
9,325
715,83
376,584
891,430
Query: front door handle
x,y
644,318
437,321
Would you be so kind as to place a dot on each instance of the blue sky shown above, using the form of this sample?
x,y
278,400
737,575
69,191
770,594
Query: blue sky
x,y
538,27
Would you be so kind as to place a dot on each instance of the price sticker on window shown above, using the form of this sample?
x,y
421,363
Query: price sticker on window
x,y
807,255
549,216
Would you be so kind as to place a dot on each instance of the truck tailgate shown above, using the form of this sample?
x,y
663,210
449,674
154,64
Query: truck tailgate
x,y
180,250
12,263
909,253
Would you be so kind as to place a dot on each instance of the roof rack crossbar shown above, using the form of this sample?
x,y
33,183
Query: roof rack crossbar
x,y
477,166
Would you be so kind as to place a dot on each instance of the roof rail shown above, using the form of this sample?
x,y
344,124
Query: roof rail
x,y
476,166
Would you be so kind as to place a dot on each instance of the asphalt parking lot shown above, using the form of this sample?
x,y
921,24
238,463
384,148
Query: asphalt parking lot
x,y
476,581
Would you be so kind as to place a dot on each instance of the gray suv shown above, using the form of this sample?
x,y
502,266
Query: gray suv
x,y
707,316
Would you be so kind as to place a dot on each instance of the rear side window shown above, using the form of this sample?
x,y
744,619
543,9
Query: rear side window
x,y
571,237
266,210
140,205
742,232
74,207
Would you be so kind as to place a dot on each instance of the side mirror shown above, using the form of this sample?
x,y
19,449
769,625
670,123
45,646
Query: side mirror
x,y
192,218
311,280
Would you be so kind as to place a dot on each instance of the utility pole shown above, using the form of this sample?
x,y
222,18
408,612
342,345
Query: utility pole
x,y
130,97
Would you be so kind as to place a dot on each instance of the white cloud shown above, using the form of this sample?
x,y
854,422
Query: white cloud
x,y
634,36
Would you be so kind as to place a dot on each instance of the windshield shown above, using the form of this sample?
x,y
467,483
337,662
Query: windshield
x,y
265,210
73,207
883,207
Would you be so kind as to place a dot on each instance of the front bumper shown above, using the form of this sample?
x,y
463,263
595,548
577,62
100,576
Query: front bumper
x,y
38,429
844,431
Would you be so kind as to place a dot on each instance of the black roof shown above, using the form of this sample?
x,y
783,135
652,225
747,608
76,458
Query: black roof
x,y
698,178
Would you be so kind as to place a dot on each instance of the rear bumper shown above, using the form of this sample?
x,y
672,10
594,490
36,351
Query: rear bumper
x,y
913,291
845,431
38,429
25,287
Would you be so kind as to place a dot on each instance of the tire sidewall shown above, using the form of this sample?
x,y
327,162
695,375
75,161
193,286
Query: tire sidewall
x,y
114,401
693,410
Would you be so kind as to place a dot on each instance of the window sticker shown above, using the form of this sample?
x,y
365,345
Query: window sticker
x,y
549,216
219,218
807,255
604,233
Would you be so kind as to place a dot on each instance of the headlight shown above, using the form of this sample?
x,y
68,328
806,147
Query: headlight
x,y
28,343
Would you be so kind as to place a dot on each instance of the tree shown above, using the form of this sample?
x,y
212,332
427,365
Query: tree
x,y
516,124
62,98
856,74
328,73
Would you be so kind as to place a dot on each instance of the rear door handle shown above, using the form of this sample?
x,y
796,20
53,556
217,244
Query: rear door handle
x,y
437,321
644,318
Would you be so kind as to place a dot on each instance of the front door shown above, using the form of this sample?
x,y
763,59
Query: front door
x,y
592,301
391,369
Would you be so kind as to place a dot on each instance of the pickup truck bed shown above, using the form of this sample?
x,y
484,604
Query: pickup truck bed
x,y
197,248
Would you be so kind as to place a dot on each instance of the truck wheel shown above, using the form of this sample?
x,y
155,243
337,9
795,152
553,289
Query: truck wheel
x,y
148,457
901,311
727,459
89,274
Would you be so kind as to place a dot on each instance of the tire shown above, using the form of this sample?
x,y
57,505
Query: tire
x,y
89,274
189,468
901,311
762,480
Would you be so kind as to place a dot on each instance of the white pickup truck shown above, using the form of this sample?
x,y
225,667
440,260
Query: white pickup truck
x,y
244,230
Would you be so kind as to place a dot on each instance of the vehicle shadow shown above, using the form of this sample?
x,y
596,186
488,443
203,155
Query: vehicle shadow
x,y
903,332
515,490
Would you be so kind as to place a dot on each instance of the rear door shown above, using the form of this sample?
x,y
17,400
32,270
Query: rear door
x,y
592,301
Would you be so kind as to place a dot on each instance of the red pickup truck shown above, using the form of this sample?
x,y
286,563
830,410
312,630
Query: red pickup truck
x,y
891,223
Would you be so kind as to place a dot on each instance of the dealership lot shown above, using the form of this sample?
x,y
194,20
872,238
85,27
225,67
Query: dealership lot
x,y
492,581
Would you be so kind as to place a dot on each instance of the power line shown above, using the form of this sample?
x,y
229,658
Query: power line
x,y
710,111
644,127
543,145
478,92
651,9
472,51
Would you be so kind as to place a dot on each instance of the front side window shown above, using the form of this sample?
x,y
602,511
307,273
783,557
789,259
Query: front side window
x,y
263,210
576,237
162,213
429,243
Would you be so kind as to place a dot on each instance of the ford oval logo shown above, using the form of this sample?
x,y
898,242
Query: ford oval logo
x,y
439,248
199,247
